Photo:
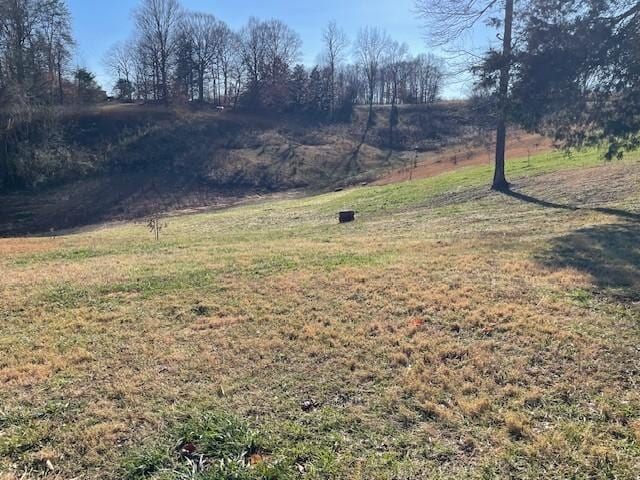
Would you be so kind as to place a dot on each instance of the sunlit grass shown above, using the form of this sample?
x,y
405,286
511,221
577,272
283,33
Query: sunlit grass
x,y
450,332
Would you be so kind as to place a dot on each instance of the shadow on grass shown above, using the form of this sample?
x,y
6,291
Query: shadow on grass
x,y
558,206
609,253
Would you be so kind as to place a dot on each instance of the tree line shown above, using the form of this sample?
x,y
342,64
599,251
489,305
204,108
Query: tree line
x,y
36,46
178,55
569,69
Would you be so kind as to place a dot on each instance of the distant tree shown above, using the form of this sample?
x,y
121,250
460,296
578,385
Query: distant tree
x,y
370,49
282,44
184,68
55,22
336,44
157,22
579,73
18,21
120,63
204,34
448,20
425,78
274,87
253,52
299,87
269,49
124,89
87,89
35,45
396,60
228,61
318,101
145,71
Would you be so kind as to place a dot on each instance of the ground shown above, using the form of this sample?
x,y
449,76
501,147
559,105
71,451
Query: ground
x,y
424,165
122,162
450,332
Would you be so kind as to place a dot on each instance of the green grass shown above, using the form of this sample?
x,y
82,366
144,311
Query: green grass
x,y
450,332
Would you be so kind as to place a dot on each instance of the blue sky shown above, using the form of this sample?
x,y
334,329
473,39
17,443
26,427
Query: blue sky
x,y
99,24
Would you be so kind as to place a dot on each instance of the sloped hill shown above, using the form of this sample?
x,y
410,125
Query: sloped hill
x,y
450,332
121,162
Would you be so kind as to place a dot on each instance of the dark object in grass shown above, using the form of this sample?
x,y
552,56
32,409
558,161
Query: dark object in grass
x,y
188,449
309,405
346,217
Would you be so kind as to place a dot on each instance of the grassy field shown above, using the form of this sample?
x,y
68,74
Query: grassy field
x,y
142,159
450,332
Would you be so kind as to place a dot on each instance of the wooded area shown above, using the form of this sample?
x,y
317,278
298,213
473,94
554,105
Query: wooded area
x,y
569,70
193,56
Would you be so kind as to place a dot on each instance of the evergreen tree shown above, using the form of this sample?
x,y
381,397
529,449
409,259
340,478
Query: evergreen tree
x,y
298,87
579,73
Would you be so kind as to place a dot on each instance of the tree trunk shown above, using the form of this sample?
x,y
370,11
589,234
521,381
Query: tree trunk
x,y
332,88
201,84
60,87
499,179
370,117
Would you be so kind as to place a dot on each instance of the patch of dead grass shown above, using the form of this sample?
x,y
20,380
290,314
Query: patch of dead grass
x,y
460,352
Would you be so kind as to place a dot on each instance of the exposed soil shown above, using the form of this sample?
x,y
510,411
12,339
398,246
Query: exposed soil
x,y
520,145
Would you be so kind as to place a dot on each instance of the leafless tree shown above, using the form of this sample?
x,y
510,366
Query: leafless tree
x,y
55,21
204,33
157,22
395,61
120,62
144,71
448,20
253,48
282,44
228,63
35,45
268,50
336,44
369,50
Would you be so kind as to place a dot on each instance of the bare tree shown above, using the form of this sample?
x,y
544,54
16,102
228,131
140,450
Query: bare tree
x,y
157,22
448,20
204,33
253,50
268,50
120,62
228,61
18,22
283,45
55,21
370,49
35,45
396,57
430,74
144,71
335,46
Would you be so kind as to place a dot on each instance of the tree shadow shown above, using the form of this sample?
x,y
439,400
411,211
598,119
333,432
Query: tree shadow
x,y
623,214
610,254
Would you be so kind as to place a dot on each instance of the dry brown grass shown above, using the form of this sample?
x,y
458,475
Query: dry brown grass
x,y
454,339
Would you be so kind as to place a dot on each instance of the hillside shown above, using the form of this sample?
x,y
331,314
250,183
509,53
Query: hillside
x,y
450,332
121,162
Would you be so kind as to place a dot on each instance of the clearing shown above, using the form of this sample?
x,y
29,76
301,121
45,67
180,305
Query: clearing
x,y
450,332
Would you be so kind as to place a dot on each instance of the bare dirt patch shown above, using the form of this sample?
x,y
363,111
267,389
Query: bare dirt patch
x,y
520,145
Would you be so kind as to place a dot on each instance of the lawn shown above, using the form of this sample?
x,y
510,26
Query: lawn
x,y
450,332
